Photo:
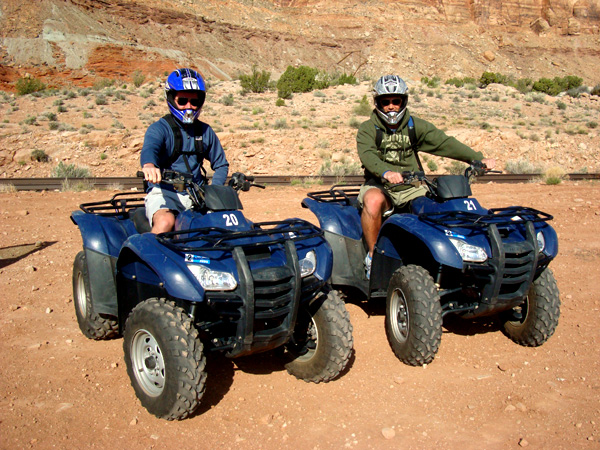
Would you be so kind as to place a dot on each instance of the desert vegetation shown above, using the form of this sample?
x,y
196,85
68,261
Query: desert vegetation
x,y
304,123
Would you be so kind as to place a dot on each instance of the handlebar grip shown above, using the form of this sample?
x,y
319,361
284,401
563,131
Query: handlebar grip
x,y
139,174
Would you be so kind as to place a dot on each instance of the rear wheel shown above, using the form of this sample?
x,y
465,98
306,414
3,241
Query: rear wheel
x,y
532,323
413,316
323,342
91,324
165,359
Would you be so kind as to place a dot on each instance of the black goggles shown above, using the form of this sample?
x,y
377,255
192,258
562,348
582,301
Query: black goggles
x,y
182,101
393,101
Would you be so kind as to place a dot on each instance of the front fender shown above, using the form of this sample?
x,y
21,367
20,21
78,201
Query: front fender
x,y
145,260
398,234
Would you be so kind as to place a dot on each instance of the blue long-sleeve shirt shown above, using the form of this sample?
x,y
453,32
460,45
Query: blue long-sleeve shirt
x,y
158,148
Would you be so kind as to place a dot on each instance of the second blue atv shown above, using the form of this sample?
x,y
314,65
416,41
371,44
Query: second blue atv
x,y
218,282
445,254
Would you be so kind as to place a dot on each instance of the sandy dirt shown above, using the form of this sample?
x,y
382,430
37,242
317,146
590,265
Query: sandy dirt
x,y
61,390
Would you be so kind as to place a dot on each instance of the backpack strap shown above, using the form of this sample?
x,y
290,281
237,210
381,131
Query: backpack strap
x,y
412,134
378,136
178,141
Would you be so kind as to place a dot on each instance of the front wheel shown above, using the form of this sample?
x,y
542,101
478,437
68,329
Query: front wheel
x,y
532,323
322,343
92,325
413,316
165,359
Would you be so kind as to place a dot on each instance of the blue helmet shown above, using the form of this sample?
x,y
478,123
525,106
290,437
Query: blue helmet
x,y
184,80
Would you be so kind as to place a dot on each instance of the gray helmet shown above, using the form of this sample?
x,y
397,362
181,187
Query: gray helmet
x,y
390,85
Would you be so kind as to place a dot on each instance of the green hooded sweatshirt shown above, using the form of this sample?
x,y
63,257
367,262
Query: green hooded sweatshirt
x,y
395,152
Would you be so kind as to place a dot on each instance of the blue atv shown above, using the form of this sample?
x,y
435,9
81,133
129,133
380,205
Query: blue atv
x,y
445,254
218,282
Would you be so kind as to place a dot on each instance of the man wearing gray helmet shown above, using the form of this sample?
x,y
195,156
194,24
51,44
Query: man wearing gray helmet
x,y
386,146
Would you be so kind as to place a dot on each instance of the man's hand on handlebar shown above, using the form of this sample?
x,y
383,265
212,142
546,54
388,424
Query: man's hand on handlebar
x,y
151,173
490,163
393,177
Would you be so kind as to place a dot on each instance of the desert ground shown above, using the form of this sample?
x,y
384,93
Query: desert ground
x,y
482,391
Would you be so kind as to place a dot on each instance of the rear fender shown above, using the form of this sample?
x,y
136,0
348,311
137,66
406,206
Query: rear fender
x,y
103,234
335,218
404,237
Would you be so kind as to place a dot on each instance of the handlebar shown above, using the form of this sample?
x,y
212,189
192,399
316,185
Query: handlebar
x,y
242,182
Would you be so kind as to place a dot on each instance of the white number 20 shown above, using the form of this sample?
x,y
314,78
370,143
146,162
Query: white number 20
x,y
230,219
470,205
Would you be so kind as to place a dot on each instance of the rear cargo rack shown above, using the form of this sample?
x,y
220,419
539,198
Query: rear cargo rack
x,y
119,205
497,216
219,239
340,193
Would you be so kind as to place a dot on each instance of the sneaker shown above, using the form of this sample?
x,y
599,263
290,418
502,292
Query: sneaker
x,y
368,260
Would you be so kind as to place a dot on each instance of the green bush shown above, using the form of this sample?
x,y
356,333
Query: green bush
x,y
457,82
364,108
523,85
69,171
280,102
300,79
431,82
138,78
456,168
547,86
257,82
103,83
595,90
490,77
557,85
101,100
340,168
344,78
521,166
39,156
227,100
29,85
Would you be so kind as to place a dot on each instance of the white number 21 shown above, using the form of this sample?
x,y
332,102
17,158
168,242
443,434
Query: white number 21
x,y
470,205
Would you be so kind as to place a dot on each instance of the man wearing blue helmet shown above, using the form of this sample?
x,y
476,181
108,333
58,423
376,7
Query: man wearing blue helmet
x,y
180,142
387,144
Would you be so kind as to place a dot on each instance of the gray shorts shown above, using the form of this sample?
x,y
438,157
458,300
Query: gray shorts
x,y
158,199
397,198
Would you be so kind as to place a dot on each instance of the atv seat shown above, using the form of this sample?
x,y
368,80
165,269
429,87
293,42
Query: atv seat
x,y
140,221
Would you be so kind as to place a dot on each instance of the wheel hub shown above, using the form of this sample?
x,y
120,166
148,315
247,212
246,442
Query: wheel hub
x,y
148,363
400,313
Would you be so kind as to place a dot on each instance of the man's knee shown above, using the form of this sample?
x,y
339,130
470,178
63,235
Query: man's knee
x,y
163,220
375,202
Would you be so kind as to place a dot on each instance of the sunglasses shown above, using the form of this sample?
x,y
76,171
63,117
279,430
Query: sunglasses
x,y
393,101
182,101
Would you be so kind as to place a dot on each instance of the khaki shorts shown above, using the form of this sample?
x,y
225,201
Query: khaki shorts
x,y
158,199
399,199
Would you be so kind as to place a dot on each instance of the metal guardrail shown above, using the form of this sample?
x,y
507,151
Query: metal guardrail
x,y
127,183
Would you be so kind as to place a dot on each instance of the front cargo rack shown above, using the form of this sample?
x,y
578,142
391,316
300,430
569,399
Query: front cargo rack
x,y
119,205
220,239
497,216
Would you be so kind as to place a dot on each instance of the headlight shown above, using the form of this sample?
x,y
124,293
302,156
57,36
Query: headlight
x,y
212,280
469,252
308,264
541,241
